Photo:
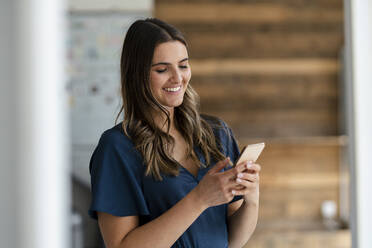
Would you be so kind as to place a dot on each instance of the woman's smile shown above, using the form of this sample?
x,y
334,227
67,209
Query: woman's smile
x,y
173,90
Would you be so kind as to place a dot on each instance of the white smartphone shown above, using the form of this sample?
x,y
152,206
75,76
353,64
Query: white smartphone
x,y
250,153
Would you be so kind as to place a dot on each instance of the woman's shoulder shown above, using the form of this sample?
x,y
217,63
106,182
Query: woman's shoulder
x,y
220,129
115,150
216,123
224,136
213,120
115,137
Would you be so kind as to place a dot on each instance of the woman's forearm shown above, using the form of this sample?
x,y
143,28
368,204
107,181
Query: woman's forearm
x,y
168,227
242,224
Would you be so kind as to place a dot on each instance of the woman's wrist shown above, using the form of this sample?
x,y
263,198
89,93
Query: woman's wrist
x,y
198,199
249,203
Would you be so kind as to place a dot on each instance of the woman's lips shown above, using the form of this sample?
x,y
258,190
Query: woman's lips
x,y
172,89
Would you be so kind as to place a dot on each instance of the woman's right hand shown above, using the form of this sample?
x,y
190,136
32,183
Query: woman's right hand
x,y
217,187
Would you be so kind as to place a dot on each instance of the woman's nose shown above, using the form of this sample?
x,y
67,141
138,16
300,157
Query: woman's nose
x,y
177,76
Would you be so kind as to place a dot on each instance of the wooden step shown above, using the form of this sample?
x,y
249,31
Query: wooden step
x,y
297,3
341,140
266,92
288,66
188,28
255,12
280,123
263,44
290,226
303,239
295,204
297,175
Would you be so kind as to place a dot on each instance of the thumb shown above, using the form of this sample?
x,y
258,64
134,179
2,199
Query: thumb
x,y
220,165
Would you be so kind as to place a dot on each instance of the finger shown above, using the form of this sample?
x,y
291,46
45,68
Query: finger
x,y
253,168
244,163
219,166
246,190
247,177
233,172
239,187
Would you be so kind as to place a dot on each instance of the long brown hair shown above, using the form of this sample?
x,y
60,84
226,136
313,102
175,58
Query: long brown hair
x,y
138,104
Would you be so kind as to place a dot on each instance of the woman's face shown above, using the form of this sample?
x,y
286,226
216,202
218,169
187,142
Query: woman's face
x,y
170,73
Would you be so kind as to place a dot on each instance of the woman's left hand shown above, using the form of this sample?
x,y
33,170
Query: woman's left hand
x,y
248,182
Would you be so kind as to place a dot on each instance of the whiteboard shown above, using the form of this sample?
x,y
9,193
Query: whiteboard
x,y
94,49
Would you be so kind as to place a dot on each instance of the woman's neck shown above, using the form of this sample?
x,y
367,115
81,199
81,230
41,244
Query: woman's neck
x,y
161,121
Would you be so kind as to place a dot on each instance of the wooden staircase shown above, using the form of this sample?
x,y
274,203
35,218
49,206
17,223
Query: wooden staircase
x,y
270,70
298,174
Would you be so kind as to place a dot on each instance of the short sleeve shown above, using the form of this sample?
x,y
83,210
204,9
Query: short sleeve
x,y
116,178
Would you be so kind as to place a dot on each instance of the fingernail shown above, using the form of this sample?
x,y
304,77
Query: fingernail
x,y
233,192
240,175
249,164
238,180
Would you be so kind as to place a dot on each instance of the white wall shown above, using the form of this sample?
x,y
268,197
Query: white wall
x,y
35,177
111,5
358,38
7,130
96,35
362,78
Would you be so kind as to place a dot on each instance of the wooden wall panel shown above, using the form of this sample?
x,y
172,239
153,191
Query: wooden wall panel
x,y
291,66
267,13
272,105
280,123
294,205
296,3
296,178
188,28
263,44
303,239
266,92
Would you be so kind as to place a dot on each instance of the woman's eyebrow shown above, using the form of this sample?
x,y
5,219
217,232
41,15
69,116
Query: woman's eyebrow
x,y
166,63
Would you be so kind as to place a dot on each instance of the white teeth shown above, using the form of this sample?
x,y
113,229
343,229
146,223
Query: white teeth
x,y
173,89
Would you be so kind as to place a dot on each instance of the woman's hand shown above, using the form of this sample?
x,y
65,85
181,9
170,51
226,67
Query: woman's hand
x,y
250,180
217,187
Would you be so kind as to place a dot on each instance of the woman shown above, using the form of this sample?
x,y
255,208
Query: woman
x,y
159,178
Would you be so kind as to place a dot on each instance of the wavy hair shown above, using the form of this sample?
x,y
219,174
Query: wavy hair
x,y
138,104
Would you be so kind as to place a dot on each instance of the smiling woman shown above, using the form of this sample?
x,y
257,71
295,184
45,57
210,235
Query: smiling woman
x,y
160,178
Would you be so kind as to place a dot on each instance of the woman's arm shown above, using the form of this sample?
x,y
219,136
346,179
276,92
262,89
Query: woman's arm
x,y
242,224
242,220
161,232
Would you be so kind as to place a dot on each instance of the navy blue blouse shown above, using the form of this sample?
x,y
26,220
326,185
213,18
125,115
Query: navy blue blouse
x,y
120,188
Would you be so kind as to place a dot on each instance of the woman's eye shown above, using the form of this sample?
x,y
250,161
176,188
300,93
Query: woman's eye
x,y
161,70
183,66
